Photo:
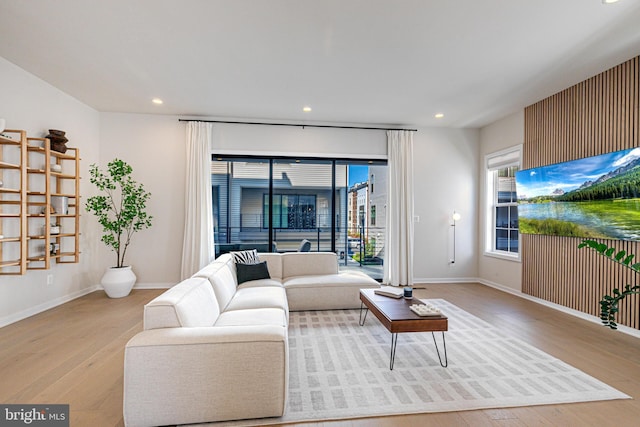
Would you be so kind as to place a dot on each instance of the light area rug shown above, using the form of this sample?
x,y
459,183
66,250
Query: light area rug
x,y
339,369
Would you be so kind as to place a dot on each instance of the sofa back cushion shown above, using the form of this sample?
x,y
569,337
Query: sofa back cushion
x,y
190,303
274,263
222,275
309,263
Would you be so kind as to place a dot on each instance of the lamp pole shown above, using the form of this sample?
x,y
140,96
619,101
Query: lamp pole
x,y
455,217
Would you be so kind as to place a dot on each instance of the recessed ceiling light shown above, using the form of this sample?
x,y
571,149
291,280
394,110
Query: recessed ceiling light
x,y
438,115
306,109
157,101
609,1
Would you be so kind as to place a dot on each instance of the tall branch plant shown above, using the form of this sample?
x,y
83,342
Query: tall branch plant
x,y
121,210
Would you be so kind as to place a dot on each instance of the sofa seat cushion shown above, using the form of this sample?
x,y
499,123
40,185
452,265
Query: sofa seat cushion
x,y
331,280
259,297
253,317
261,283
327,292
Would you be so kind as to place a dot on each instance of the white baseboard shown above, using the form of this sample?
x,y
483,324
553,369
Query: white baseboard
x,y
149,285
32,311
576,313
446,280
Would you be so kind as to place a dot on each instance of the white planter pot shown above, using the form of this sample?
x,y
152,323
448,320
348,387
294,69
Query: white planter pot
x,y
118,282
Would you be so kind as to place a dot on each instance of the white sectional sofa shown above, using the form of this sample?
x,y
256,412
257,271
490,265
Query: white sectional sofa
x,y
214,350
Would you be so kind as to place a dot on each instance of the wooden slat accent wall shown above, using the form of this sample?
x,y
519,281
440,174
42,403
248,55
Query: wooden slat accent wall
x,y
599,115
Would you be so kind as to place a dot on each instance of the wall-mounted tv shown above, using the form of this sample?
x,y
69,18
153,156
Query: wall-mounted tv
x,y
595,197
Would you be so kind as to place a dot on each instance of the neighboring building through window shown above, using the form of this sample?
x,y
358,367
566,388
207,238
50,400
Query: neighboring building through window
x,y
502,236
292,211
358,196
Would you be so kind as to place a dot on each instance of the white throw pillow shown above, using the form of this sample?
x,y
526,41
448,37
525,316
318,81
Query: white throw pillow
x,y
246,257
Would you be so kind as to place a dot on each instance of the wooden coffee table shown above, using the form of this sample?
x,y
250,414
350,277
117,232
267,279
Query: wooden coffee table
x,y
397,317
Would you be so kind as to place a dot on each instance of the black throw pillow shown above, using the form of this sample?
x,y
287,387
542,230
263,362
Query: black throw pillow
x,y
247,272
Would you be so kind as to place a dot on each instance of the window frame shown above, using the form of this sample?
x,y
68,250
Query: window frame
x,y
271,160
502,159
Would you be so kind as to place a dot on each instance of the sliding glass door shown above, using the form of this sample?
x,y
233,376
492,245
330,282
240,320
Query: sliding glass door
x,y
277,204
362,187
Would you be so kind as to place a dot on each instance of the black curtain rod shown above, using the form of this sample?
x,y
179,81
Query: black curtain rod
x,y
295,125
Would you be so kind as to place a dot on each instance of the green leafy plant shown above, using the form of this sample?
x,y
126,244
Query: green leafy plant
x,y
609,303
121,210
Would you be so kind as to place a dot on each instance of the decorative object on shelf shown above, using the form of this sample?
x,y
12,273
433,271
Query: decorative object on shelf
x,y
608,303
58,140
56,168
54,248
60,204
121,210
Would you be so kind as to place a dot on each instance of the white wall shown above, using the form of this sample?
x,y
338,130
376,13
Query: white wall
x,y
505,133
287,141
154,146
445,175
29,103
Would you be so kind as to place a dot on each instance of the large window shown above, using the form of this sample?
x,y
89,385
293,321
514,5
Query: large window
x,y
502,236
274,203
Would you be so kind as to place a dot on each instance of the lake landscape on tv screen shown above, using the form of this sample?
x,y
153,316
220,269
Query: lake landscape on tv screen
x,y
595,197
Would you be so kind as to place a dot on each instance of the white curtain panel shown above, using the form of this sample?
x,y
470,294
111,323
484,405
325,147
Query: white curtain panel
x,y
198,245
398,263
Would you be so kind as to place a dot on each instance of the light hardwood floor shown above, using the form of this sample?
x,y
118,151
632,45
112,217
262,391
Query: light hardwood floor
x,y
73,354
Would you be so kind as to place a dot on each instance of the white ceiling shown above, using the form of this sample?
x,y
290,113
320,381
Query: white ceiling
x,y
370,62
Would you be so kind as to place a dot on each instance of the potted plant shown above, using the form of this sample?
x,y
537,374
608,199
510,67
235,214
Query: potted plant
x,y
609,303
121,210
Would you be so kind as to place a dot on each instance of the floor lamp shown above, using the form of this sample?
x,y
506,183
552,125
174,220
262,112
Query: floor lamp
x,y
455,217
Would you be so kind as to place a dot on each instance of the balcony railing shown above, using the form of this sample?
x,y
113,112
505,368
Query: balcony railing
x,y
361,248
